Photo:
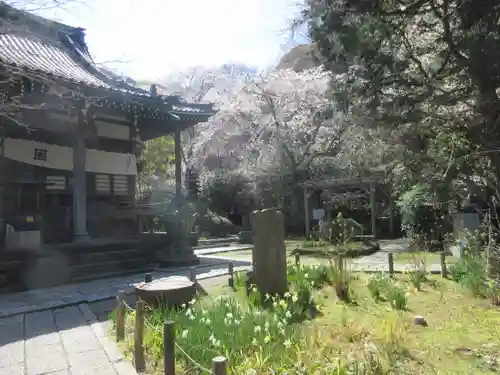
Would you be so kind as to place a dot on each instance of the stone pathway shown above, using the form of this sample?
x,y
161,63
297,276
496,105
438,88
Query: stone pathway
x,y
97,290
67,341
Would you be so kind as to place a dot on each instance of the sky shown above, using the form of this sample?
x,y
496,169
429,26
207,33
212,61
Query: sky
x,y
150,39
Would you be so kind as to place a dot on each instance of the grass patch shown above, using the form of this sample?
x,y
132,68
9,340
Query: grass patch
x,y
417,257
462,337
335,322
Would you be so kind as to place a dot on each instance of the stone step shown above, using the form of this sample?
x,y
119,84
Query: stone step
x,y
114,266
218,241
222,249
105,256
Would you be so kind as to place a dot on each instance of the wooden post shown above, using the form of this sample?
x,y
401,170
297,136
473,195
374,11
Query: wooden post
x,y
192,274
442,260
169,347
390,258
139,360
148,277
219,366
120,316
306,212
297,259
231,275
79,175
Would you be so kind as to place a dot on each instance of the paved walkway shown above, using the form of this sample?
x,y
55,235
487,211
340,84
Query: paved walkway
x,y
97,290
67,341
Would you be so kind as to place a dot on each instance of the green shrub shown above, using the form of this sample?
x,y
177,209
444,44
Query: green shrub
x,y
470,272
417,277
381,288
397,297
377,286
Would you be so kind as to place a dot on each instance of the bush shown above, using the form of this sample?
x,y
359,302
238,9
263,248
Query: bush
x,y
470,272
417,277
382,288
378,285
397,297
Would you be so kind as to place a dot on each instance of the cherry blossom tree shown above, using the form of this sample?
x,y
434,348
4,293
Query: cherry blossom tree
x,y
273,132
282,129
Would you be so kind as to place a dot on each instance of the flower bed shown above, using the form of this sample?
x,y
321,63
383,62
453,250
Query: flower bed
x,y
332,322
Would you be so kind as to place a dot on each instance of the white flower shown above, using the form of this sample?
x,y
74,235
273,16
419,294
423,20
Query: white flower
x,y
184,333
257,329
254,342
287,343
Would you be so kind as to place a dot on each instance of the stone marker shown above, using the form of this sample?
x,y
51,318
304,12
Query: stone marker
x,y
269,255
419,320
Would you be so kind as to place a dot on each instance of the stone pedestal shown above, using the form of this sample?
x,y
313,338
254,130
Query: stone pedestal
x,y
269,255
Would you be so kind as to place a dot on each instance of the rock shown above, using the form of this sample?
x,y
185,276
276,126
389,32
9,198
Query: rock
x,y
171,291
420,321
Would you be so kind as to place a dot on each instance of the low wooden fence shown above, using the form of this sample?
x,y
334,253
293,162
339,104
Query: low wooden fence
x,y
219,364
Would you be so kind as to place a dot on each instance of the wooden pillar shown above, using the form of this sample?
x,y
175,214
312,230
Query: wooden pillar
x,y
2,190
80,178
307,215
373,211
178,163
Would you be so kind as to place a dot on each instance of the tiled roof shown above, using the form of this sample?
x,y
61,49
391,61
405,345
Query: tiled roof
x,y
39,45
188,108
38,56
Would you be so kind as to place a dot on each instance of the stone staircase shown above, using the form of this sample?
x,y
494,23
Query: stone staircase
x,y
77,262
216,242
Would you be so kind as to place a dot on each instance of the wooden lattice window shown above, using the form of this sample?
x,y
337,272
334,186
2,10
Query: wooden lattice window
x,y
102,184
56,182
120,185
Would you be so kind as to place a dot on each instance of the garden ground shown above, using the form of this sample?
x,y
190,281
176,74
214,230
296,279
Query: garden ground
x,y
462,335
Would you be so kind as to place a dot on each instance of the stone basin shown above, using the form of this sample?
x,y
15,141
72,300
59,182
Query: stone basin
x,y
170,291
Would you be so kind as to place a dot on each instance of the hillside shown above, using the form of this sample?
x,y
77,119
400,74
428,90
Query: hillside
x,y
300,58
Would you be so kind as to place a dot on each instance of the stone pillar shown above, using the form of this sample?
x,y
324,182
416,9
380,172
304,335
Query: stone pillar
x,y
269,255
80,180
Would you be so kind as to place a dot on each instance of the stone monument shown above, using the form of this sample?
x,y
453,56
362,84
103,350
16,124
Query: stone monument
x,y
269,255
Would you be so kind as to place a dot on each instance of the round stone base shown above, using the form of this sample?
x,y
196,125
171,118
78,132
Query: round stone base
x,y
170,292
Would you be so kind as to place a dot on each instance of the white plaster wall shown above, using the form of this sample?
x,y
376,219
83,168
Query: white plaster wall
x,y
107,130
59,157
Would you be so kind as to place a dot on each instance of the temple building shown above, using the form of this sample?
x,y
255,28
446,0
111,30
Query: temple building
x,y
70,134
